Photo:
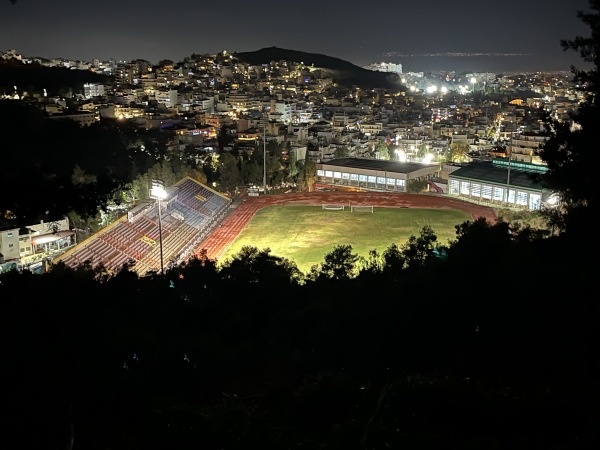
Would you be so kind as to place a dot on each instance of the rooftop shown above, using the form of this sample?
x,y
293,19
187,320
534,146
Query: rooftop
x,y
378,164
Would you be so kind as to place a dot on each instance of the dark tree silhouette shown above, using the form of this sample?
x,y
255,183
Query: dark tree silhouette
x,y
57,166
571,152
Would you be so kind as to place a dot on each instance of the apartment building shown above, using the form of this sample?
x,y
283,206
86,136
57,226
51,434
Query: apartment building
x,y
27,245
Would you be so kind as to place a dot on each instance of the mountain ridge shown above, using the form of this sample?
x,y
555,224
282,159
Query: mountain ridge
x,y
343,72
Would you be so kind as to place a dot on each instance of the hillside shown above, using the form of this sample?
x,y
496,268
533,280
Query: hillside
x,y
343,72
36,78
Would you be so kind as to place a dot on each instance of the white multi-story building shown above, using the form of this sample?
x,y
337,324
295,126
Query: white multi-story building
x,y
168,98
34,242
384,67
91,90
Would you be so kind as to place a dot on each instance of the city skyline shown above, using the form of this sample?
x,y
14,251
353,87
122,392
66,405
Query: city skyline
x,y
517,36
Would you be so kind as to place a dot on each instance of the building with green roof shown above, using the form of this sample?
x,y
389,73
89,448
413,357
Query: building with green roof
x,y
501,182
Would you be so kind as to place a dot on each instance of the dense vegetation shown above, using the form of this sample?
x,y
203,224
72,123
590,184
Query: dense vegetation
x,y
35,78
495,345
342,72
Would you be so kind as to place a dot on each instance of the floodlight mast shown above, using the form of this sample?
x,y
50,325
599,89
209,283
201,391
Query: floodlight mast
x,y
162,268
264,160
158,192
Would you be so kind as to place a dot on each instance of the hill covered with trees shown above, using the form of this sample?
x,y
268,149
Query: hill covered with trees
x,y
342,72
34,78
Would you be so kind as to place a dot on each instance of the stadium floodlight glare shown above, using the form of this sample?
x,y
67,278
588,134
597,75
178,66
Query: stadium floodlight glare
x,y
159,193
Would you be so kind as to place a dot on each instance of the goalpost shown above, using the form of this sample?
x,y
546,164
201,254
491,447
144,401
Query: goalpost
x,y
361,208
333,207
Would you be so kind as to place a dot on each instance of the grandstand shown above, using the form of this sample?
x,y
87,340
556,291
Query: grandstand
x,y
188,214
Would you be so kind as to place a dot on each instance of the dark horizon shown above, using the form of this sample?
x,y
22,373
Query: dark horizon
x,y
139,30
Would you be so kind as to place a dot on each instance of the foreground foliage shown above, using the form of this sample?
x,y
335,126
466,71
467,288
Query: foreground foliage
x,y
476,350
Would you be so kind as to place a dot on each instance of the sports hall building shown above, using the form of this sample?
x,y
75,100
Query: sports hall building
x,y
374,174
501,182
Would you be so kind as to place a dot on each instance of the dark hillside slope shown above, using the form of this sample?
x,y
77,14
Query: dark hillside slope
x,y
343,72
36,78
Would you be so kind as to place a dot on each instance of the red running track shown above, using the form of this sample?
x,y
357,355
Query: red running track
x,y
217,243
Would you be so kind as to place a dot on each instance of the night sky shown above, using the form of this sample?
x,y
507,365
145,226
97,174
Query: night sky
x,y
509,35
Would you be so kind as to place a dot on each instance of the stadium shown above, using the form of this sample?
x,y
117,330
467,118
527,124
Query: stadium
x,y
193,218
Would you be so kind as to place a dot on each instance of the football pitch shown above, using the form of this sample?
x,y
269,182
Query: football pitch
x,y
305,234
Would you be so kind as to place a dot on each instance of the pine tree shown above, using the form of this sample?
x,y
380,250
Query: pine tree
x,y
573,150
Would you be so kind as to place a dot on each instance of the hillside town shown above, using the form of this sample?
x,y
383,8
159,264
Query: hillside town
x,y
436,117
450,133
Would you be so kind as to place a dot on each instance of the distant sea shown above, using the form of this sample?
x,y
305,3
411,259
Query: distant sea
x,y
483,63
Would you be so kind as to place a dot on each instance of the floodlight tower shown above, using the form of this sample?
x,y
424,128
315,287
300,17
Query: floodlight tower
x,y
264,160
159,193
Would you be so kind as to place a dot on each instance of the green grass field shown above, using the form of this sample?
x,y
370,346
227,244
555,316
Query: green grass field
x,y
305,234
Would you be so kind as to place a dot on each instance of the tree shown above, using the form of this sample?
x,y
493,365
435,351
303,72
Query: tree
x,y
229,173
458,152
251,266
55,167
416,186
339,263
571,152
417,250
307,175
225,138
382,150
341,152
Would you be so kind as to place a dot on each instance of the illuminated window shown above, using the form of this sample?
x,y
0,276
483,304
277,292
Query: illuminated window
x,y
498,193
452,187
535,201
512,195
486,192
465,188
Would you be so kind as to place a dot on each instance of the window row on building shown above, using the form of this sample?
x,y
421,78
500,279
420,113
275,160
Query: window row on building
x,y
360,180
507,195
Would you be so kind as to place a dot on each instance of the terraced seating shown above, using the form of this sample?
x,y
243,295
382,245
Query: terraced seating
x,y
188,214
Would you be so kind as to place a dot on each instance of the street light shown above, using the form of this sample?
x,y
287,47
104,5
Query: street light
x,y
159,193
